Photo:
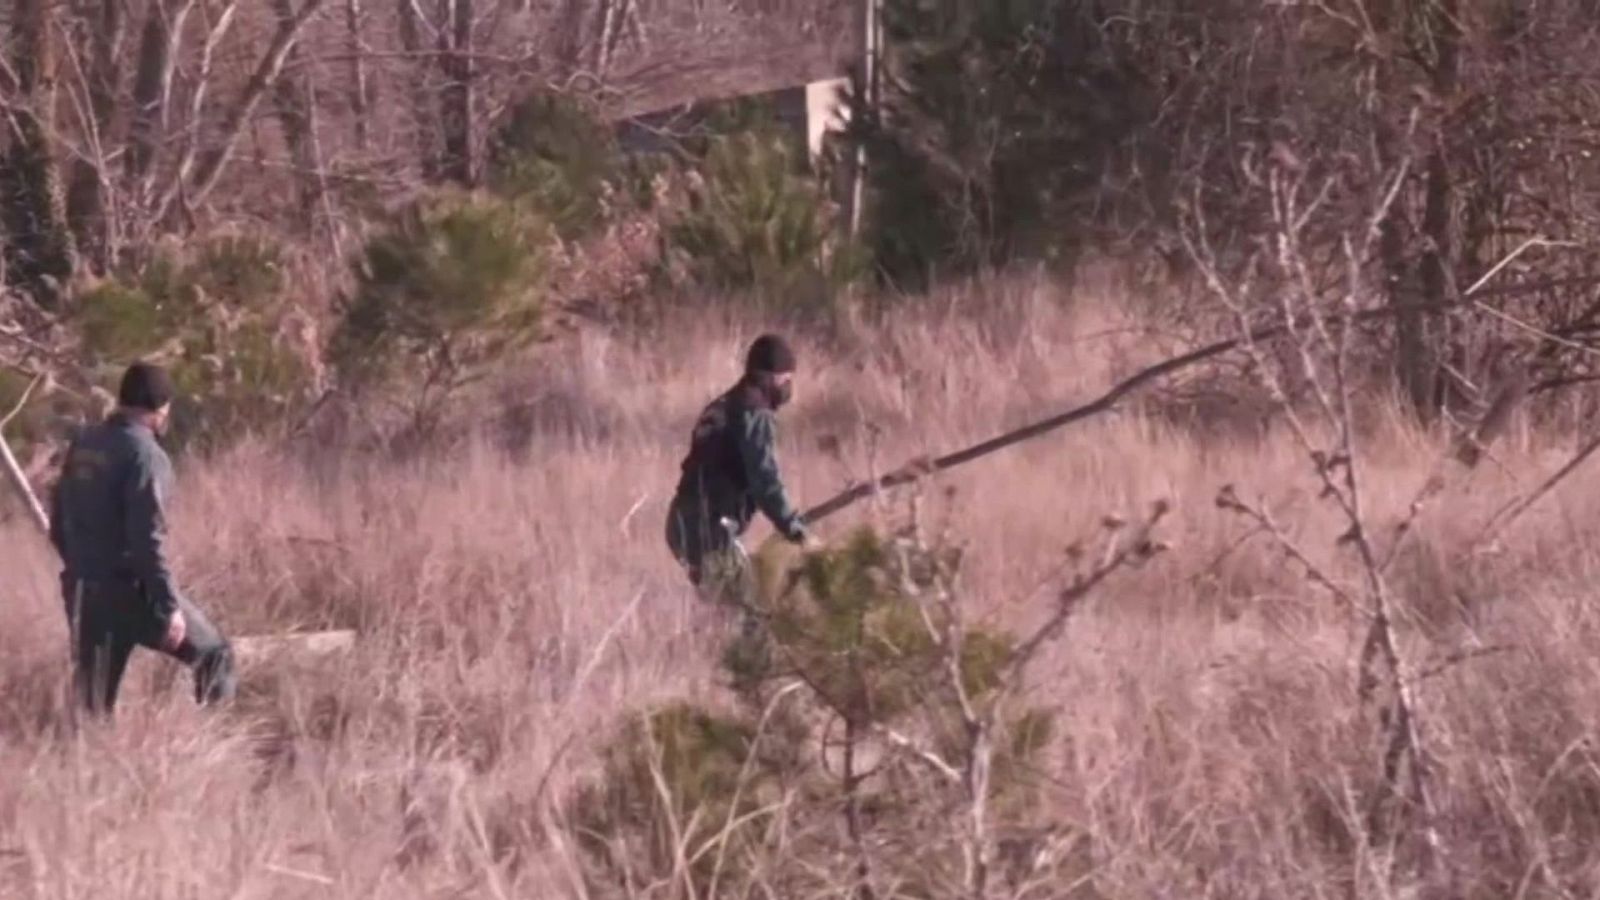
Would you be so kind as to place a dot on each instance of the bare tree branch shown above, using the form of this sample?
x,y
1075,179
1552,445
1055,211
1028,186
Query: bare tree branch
x,y
1507,515
214,36
152,88
14,473
211,166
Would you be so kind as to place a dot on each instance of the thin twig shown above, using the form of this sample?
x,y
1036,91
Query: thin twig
x,y
1514,510
910,747
22,402
1228,499
1535,330
1458,657
1119,553
1512,257
744,779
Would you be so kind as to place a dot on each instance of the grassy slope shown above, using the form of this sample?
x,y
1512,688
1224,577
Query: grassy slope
x,y
516,606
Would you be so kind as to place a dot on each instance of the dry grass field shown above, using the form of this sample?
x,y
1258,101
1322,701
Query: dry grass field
x,y
515,603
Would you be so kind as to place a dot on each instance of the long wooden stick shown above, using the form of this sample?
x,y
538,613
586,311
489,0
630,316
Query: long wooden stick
x,y
14,473
1105,402
1508,514
913,471
19,480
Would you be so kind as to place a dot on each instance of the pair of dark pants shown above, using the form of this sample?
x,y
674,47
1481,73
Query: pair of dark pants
x,y
110,618
692,537
723,577
706,550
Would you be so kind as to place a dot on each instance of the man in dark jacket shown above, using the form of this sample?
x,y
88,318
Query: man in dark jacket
x,y
108,523
731,470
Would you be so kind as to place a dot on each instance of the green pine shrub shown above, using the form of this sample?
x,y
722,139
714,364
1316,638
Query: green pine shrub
x,y
754,221
673,781
856,635
557,157
214,314
451,288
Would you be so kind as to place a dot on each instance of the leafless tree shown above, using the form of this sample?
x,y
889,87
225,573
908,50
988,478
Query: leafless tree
x,y
125,119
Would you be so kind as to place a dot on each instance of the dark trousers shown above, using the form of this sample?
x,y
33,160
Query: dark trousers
x,y
724,578
110,618
720,571
705,549
692,538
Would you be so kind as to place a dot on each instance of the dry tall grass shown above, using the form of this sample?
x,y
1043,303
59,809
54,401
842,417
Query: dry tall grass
x,y
514,605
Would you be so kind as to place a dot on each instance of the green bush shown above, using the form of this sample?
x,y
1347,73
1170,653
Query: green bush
x,y
755,221
241,271
213,314
725,119
452,287
120,321
558,158
713,769
855,623
860,627
234,379
852,632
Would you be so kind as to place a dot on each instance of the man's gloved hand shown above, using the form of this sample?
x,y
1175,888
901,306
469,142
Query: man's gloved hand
x,y
177,630
796,533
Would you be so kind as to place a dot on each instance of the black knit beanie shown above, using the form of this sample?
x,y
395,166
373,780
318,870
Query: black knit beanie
x,y
770,353
145,386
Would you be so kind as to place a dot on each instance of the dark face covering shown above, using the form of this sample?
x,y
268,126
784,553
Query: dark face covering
x,y
777,395
780,394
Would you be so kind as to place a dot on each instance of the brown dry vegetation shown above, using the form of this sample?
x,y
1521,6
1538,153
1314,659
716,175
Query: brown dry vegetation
x,y
515,606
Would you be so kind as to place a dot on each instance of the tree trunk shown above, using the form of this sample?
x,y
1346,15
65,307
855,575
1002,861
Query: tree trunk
x,y
268,69
152,89
569,38
607,28
455,43
294,114
89,193
358,72
1423,275
39,249
1438,250
411,41
1424,354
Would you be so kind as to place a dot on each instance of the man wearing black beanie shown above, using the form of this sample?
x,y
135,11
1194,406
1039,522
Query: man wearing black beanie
x,y
108,523
731,470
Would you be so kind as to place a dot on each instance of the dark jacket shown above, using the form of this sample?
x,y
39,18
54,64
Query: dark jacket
x,y
731,470
108,511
